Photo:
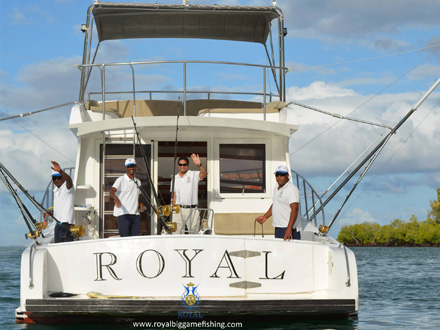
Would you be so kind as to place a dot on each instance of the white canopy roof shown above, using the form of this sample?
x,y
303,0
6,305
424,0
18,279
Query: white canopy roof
x,y
127,21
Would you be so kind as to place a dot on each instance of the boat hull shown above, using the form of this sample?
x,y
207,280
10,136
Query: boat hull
x,y
56,311
185,277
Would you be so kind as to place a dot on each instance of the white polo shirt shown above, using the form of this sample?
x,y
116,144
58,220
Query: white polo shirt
x,y
128,193
282,198
63,204
186,188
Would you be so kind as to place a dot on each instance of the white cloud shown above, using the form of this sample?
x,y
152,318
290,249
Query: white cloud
x,y
28,158
435,42
358,19
391,45
318,90
325,145
370,79
424,72
30,15
352,217
355,216
17,16
295,67
25,93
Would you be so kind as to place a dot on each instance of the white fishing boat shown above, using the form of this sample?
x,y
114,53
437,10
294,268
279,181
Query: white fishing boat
x,y
233,266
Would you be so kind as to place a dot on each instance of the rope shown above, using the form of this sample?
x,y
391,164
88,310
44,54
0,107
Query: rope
x,y
365,59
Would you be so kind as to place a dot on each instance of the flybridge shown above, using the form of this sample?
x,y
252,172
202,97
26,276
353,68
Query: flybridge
x,y
254,24
238,23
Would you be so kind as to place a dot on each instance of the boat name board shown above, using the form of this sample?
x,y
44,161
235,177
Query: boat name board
x,y
105,268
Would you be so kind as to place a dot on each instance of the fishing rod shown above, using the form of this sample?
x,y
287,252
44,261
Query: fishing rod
x,y
40,207
144,156
373,156
175,157
75,230
27,216
161,210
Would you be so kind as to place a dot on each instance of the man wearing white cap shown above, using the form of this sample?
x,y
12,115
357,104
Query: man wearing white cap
x,y
285,207
125,192
63,207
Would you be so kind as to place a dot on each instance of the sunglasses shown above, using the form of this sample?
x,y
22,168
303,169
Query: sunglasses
x,y
280,174
131,166
186,164
55,178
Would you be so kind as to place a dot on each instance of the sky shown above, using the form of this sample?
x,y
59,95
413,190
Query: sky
x,y
371,60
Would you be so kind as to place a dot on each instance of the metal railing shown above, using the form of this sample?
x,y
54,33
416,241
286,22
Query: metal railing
x,y
310,200
205,218
87,69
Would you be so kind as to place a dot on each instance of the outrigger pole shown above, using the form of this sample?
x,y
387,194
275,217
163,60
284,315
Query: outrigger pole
x,y
40,207
36,111
371,157
35,228
27,217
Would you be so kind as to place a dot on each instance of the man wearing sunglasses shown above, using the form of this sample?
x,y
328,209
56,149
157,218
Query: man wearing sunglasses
x,y
186,189
285,207
63,203
125,192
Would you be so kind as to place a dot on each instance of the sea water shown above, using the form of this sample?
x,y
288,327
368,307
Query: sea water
x,y
399,288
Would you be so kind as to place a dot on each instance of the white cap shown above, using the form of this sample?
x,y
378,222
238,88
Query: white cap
x,y
281,169
130,161
55,173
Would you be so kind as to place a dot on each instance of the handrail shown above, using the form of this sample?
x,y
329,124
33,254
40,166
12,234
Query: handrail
x,y
102,68
181,61
199,214
309,212
31,265
151,92
347,263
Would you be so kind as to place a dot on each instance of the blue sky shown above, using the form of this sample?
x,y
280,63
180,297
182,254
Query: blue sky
x,y
370,59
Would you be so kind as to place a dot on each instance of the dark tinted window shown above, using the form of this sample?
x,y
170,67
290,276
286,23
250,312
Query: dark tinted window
x,y
242,168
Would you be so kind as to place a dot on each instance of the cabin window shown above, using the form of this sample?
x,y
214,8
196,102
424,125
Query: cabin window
x,y
242,168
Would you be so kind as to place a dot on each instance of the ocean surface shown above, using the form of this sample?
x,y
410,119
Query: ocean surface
x,y
399,288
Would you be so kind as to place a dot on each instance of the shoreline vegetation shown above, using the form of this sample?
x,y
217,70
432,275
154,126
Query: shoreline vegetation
x,y
412,232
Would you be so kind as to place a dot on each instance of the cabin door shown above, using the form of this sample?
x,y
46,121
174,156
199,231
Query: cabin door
x,y
167,167
113,156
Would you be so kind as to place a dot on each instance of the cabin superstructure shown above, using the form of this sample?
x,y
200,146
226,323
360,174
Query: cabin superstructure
x,y
241,135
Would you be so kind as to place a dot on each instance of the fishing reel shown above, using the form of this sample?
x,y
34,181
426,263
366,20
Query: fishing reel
x,y
170,227
48,215
323,230
77,231
33,234
39,226
166,210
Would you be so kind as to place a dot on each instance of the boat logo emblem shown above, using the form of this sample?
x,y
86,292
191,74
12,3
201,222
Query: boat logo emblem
x,y
190,298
